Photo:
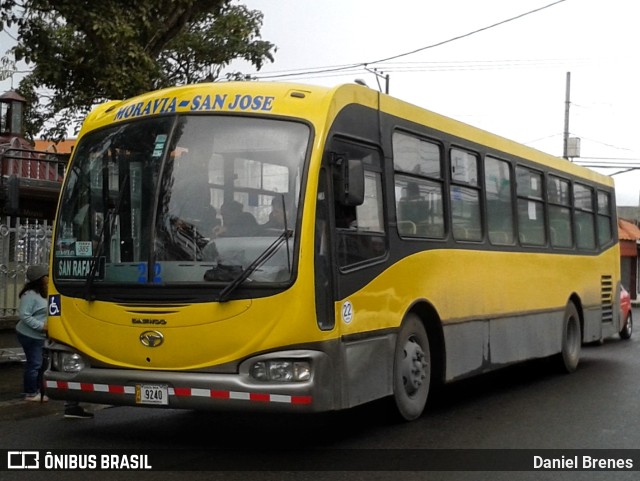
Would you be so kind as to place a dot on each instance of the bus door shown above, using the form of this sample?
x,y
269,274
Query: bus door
x,y
350,227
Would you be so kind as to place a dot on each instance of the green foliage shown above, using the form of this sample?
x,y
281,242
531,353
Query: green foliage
x,y
83,52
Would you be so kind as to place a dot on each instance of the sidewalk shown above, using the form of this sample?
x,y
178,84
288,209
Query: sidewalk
x,y
11,354
10,349
12,403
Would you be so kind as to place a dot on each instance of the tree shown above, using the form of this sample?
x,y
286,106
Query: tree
x,y
83,52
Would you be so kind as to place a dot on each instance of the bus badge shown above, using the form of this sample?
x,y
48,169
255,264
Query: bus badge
x,y
151,338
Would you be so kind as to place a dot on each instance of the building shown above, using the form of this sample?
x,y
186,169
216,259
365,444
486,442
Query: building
x,y
30,182
62,147
629,235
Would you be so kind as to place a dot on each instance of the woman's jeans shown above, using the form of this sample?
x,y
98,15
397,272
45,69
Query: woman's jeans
x,y
33,352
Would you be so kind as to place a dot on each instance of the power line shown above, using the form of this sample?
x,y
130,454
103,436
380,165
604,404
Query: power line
x,y
338,68
606,144
624,159
463,65
511,19
627,165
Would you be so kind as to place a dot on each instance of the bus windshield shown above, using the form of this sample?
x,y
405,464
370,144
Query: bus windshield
x,y
182,199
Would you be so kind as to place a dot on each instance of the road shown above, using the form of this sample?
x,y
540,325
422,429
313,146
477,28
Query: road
x,y
527,407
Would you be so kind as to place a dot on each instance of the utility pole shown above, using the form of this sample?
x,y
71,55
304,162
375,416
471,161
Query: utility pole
x,y
567,103
379,74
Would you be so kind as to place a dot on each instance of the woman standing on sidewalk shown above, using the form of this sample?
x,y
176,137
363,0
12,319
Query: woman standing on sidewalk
x,y
32,328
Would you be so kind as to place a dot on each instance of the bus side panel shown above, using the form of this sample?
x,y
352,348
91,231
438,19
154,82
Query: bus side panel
x,y
495,308
368,369
531,336
481,346
467,348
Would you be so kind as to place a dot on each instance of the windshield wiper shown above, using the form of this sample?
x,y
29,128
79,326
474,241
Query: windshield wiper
x,y
95,259
257,262
262,258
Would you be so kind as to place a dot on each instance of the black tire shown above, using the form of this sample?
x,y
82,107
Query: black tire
x,y
627,329
569,357
411,368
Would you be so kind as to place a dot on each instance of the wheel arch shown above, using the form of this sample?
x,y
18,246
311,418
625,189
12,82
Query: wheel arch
x,y
433,325
575,299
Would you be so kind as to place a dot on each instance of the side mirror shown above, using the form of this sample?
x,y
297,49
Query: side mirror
x,y
349,181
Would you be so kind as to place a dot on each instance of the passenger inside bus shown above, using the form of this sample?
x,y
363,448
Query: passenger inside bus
x,y
191,193
236,222
413,210
197,210
276,216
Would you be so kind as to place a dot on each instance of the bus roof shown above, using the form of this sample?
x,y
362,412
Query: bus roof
x,y
316,104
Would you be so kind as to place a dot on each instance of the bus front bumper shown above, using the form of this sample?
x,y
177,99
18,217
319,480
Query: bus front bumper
x,y
200,390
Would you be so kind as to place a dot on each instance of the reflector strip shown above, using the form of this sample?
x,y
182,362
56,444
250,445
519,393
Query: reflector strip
x,y
184,392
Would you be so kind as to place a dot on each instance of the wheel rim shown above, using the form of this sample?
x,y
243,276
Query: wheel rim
x,y
628,327
414,366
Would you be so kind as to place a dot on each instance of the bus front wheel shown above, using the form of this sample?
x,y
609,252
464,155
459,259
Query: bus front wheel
x,y
412,368
571,340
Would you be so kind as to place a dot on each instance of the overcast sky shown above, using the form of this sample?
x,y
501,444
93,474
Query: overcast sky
x,y
509,79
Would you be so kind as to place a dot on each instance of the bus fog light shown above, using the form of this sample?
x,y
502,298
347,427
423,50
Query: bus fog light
x,y
68,362
281,370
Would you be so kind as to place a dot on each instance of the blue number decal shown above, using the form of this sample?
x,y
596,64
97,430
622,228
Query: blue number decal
x,y
142,273
157,270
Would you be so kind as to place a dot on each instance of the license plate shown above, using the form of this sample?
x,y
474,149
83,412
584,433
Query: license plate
x,y
157,394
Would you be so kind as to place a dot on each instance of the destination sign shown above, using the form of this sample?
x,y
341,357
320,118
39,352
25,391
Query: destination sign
x,y
77,268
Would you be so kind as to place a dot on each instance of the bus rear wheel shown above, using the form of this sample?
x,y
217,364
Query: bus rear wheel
x,y
571,340
412,368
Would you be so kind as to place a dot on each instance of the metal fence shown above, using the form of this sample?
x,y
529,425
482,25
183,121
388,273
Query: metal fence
x,y
23,242
29,185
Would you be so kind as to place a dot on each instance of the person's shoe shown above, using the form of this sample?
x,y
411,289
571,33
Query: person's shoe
x,y
37,398
77,412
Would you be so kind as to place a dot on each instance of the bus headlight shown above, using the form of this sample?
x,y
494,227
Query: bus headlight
x,y
281,370
68,362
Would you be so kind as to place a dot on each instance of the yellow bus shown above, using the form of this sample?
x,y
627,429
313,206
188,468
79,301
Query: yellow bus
x,y
273,246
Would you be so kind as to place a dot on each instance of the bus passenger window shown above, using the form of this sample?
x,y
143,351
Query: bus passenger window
x,y
418,186
419,208
531,223
605,225
584,217
561,233
498,181
465,196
